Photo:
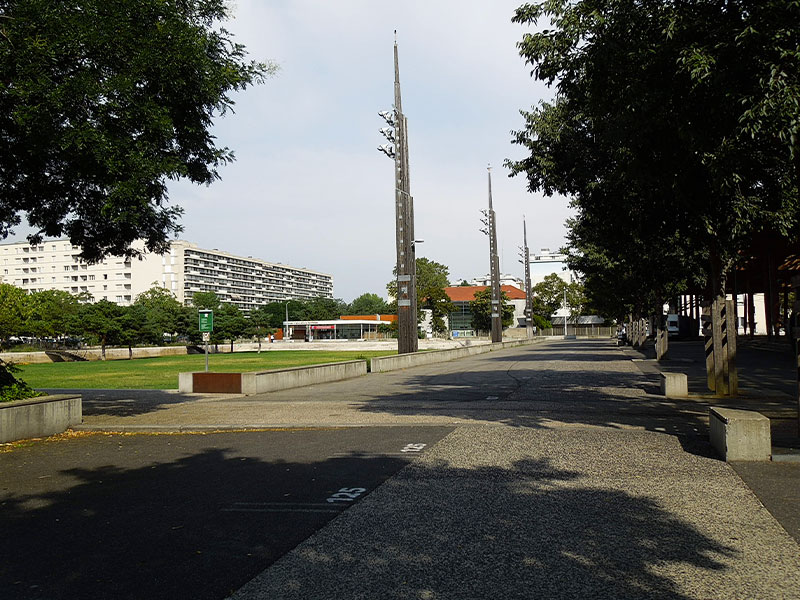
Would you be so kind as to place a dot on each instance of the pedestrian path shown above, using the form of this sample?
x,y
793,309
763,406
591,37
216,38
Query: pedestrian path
x,y
567,476
507,512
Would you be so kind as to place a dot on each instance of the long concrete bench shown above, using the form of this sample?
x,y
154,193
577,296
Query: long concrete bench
x,y
740,434
260,382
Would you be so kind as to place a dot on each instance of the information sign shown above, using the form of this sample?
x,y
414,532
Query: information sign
x,y
206,320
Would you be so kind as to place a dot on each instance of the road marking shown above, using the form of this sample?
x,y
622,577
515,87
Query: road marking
x,y
346,495
491,397
413,448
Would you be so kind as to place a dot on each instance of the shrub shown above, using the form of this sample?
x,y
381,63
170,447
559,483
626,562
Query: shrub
x,y
12,388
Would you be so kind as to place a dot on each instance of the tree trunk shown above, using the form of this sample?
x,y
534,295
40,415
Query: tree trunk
x,y
259,344
130,352
102,348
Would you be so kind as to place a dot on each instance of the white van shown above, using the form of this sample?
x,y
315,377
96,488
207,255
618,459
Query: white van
x,y
672,325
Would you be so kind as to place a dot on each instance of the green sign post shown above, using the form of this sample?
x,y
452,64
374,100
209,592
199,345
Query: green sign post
x,y
206,321
206,326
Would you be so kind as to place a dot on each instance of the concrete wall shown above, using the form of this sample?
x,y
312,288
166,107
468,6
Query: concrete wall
x,y
38,417
29,358
383,364
282,379
260,382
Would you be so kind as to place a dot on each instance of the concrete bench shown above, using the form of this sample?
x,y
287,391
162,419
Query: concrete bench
x,y
674,385
740,434
260,382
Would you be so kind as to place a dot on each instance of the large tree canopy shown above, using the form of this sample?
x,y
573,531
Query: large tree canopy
x,y
101,103
674,128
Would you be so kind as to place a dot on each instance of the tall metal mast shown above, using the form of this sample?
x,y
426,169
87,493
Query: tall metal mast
x,y
494,263
397,133
528,297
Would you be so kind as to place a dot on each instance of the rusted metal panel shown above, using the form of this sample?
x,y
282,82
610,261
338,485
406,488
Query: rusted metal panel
x,y
217,383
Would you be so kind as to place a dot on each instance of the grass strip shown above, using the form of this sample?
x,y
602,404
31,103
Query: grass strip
x,y
162,373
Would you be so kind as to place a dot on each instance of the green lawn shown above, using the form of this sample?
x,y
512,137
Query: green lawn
x,y
162,373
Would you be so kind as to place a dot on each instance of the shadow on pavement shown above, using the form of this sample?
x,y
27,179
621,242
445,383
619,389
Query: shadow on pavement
x,y
530,531
128,403
181,528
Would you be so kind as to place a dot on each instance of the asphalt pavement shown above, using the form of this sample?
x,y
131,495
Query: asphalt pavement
x,y
180,516
564,475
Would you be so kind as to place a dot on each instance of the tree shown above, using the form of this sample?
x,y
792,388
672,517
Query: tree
x,y
205,300
481,309
102,319
162,312
278,311
321,309
259,323
368,304
550,293
12,311
659,125
51,313
101,103
229,324
675,131
135,326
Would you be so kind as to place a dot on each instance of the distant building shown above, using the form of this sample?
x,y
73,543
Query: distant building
x,y
349,327
486,280
546,263
246,282
460,320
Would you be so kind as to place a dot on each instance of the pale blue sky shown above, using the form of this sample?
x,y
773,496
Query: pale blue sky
x,y
310,189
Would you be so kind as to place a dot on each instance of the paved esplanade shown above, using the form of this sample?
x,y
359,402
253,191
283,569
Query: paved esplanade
x,y
566,477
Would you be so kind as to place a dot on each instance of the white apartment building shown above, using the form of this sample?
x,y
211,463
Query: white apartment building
x,y
244,281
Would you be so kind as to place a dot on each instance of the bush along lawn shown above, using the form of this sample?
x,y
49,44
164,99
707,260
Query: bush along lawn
x,y
12,388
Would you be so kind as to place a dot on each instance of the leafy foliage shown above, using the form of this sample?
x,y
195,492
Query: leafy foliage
x,y
368,304
481,309
674,130
549,296
101,103
12,388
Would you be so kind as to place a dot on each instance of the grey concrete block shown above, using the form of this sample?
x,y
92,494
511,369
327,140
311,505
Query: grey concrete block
x,y
185,383
39,417
674,385
740,434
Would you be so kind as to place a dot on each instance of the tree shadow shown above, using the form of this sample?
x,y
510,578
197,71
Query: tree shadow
x,y
129,403
192,527
528,531
535,397
761,371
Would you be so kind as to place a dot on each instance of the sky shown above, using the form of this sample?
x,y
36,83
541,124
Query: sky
x,y
309,187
